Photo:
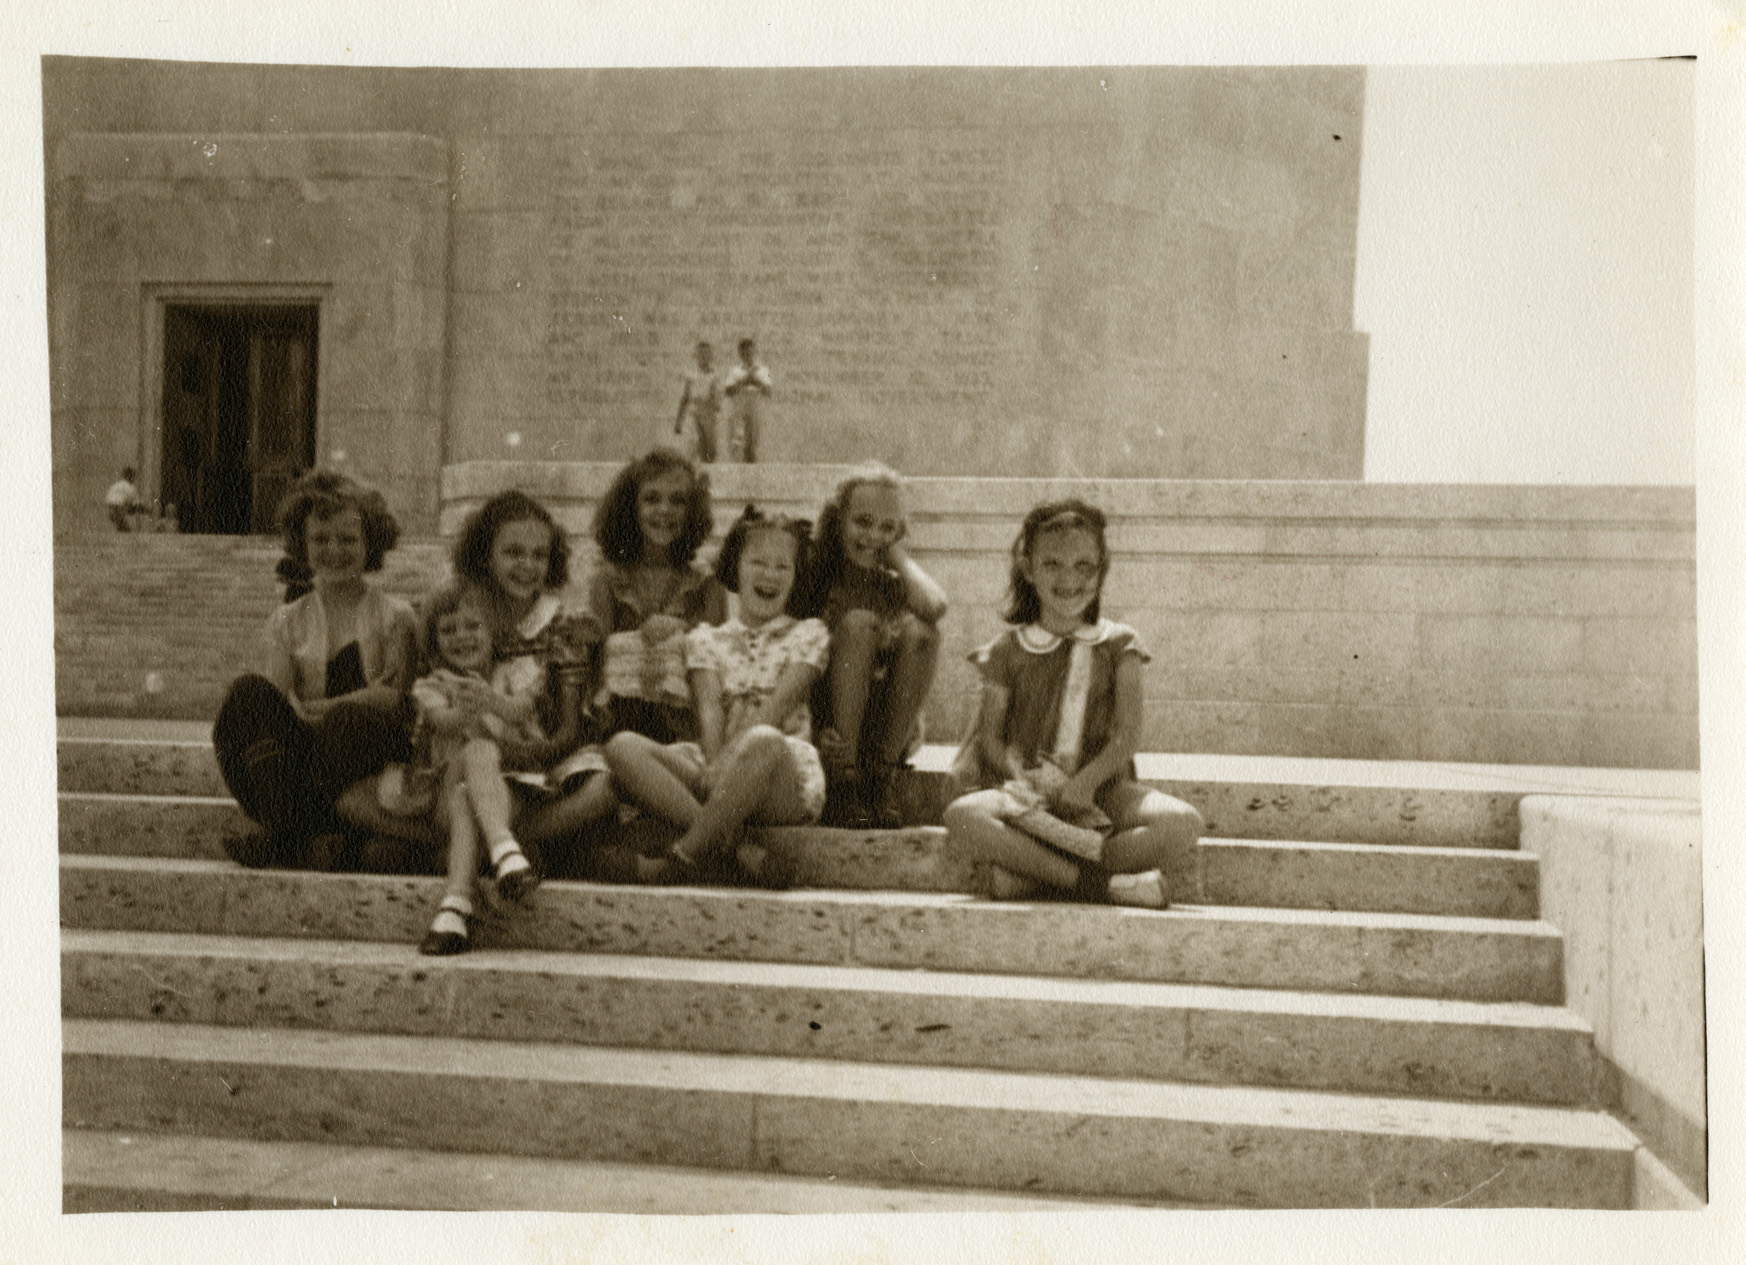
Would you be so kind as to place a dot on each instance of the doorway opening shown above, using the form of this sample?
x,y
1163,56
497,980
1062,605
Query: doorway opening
x,y
239,412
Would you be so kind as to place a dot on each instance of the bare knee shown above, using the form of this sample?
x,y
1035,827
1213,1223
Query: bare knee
x,y
856,630
763,743
625,746
481,753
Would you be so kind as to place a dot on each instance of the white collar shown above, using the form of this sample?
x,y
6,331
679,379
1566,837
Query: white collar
x,y
1039,640
779,623
545,607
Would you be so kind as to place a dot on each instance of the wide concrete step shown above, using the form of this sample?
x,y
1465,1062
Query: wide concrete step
x,y
1475,959
107,1171
1242,807
1457,881
1194,1033
860,1121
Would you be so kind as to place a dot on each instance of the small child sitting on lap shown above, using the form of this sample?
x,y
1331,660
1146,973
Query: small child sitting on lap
x,y
754,760
481,715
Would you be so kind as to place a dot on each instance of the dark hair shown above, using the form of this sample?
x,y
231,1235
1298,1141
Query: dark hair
x,y
751,519
472,554
827,557
322,494
1022,604
745,343
445,599
616,530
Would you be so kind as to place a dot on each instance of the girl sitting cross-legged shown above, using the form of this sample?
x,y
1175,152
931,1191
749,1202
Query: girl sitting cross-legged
x,y
750,677
1059,723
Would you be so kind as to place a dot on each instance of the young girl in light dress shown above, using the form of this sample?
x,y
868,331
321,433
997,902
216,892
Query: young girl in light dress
x,y
481,719
750,678
1056,733
883,612
517,557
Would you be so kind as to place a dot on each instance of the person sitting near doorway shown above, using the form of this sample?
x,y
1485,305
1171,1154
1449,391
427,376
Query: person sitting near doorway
x,y
122,500
300,742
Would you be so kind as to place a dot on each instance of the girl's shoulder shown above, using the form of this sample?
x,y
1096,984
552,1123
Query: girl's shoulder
x,y
1118,639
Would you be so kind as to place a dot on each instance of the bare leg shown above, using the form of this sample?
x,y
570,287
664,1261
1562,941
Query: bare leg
x,y
556,829
912,672
463,835
854,644
757,778
1154,831
973,827
484,765
649,776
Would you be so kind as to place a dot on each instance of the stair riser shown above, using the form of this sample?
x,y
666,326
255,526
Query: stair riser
x,y
1186,946
1355,1054
1233,810
1471,885
1476,883
897,1142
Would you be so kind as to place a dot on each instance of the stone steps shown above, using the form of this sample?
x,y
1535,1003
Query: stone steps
x,y
1483,816
1360,1006
1466,882
884,1123
105,1171
1406,955
1190,1033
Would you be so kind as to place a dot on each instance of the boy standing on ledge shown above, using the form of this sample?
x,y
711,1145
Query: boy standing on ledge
x,y
747,384
701,399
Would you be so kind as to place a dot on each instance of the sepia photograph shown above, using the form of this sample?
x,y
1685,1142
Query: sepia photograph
x,y
544,556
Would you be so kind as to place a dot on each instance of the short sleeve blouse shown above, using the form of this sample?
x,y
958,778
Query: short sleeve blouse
x,y
749,661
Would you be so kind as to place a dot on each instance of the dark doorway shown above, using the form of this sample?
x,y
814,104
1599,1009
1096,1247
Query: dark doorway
x,y
239,412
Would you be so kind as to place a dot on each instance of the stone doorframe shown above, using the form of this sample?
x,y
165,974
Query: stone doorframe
x,y
155,297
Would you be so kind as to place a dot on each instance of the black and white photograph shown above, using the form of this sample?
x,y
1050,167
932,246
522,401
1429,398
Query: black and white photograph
x,y
879,644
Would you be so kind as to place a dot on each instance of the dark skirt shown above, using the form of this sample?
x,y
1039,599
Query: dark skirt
x,y
287,773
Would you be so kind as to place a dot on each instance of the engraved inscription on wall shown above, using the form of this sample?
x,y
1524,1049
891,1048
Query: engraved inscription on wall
x,y
868,270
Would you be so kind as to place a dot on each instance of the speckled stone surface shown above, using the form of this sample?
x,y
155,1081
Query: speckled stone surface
x,y
146,1172
865,1122
1481,817
1397,954
138,767
1461,881
161,826
1465,882
1097,1028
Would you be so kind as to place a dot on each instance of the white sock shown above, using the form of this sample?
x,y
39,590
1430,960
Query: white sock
x,y
506,855
452,916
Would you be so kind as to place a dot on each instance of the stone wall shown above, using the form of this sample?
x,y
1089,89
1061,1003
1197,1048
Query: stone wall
x,y
1623,880
1036,272
1031,271
1551,626
357,224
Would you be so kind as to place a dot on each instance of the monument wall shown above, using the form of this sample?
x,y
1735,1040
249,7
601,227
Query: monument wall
x,y
1137,271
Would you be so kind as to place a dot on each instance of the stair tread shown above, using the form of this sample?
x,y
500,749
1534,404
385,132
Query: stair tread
x,y
241,1173
734,973
1479,855
855,897
847,1082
